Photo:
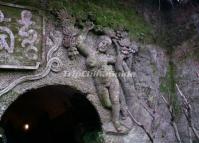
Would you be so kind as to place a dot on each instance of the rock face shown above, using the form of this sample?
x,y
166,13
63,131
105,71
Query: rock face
x,y
146,104
188,80
69,51
187,69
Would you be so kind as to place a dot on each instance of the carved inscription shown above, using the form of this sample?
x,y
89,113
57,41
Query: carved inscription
x,y
21,34
6,34
29,35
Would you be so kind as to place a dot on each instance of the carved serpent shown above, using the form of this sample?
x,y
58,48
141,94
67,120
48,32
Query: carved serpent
x,y
53,64
44,73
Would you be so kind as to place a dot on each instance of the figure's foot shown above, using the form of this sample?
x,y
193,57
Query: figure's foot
x,y
120,128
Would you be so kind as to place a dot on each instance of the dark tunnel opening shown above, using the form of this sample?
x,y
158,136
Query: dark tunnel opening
x,y
52,114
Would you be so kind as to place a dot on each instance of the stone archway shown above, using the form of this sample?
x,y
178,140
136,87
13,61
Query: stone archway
x,y
55,113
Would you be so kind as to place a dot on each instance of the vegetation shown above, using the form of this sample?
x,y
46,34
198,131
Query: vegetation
x,y
168,86
12,93
105,13
93,137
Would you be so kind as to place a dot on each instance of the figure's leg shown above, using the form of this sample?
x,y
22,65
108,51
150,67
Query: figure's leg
x,y
114,91
104,96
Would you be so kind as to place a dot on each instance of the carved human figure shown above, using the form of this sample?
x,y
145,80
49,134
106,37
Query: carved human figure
x,y
6,35
73,37
106,81
125,50
97,61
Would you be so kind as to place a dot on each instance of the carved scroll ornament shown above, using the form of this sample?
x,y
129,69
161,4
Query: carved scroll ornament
x,y
54,64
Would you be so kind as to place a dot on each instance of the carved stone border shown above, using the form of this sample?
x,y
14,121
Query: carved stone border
x,y
18,6
53,64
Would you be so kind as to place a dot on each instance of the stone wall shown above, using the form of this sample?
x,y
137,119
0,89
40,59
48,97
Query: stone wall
x,y
62,58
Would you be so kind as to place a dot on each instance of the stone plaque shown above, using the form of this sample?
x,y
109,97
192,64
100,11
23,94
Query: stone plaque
x,y
21,34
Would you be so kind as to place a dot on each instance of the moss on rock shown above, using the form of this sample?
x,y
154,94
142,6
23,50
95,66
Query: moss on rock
x,y
168,87
111,13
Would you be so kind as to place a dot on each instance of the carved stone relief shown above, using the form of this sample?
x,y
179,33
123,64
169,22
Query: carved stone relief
x,y
112,90
53,64
109,87
21,38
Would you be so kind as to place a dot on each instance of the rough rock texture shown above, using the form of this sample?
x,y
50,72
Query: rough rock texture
x,y
149,65
146,105
188,79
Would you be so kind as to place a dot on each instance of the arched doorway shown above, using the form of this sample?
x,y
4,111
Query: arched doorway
x,y
51,114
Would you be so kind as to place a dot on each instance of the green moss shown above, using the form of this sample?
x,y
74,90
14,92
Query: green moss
x,y
108,13
168,87
12,93
112,14
93,137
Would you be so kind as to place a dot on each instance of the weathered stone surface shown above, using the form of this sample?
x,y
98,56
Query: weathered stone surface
x,y
188,81
140,92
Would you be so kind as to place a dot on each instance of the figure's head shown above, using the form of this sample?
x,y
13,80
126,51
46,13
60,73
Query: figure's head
x,y
103,43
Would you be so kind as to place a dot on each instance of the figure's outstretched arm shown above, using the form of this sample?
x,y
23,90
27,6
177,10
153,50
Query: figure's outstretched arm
x,y
81,46
119,57
117,46
83,34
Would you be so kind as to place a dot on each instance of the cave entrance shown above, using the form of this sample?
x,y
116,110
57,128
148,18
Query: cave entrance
x,y
51,114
